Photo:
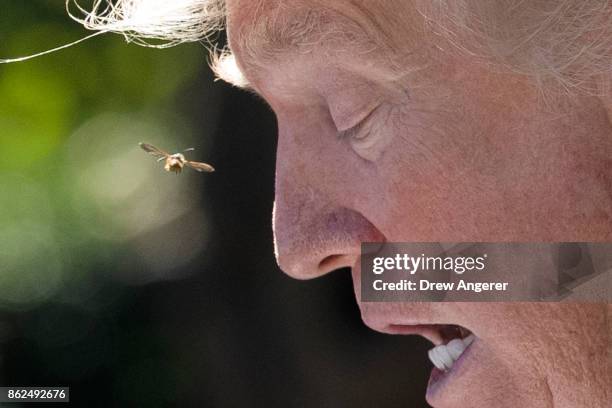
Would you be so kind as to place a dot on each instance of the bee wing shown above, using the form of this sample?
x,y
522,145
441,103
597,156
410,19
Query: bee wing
x,y
200,166
153,150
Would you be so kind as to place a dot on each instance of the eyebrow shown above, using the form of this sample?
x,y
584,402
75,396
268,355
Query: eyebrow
x,y
269,37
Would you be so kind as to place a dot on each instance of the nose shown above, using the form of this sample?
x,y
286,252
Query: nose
x,y
311,240
317,225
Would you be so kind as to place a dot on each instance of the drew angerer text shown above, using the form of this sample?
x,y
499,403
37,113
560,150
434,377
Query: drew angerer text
x,y
425,285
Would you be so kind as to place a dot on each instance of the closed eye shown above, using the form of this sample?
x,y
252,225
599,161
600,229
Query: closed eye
x,y
359,131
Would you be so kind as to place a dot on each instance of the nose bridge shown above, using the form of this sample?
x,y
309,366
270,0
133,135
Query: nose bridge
x,y
315,228
304,186
311,163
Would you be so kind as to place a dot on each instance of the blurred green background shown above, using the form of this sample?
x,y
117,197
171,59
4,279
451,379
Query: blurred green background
x,y
136,287
76,189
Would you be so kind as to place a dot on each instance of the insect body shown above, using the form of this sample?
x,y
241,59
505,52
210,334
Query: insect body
x,y
175,162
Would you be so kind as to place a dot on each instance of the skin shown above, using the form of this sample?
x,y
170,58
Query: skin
x,y
451,150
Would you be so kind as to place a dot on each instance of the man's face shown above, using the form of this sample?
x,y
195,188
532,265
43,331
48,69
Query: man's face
x,y
387,134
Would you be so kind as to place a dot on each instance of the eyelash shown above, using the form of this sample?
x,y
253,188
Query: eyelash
x,y
354,132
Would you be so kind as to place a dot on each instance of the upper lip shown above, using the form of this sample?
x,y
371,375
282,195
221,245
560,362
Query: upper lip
x,y
419,319
388,317
429,331
385,322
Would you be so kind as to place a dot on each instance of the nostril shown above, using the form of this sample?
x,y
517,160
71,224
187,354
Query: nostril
x,y
331,262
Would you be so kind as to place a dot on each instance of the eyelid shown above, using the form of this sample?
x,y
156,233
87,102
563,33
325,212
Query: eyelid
x,y
351,131
348,115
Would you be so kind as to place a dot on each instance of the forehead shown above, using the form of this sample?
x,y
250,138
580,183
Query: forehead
x,y
262,32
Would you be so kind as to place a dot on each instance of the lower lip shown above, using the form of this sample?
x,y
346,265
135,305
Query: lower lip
x,y
439,378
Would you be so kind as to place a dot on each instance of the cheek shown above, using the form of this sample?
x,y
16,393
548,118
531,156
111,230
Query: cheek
x,y
432,181
452,170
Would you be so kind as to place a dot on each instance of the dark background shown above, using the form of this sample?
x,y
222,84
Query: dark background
x,y
145,308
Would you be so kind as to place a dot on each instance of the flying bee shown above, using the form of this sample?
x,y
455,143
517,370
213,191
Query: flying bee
x,y
175,162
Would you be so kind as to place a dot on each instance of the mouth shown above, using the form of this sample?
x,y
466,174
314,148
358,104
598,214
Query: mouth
x,y
452,342
455,340
451,346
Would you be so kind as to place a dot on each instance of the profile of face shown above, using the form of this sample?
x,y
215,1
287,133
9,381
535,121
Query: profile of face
x,y
389,132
